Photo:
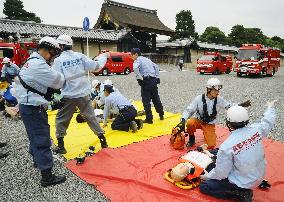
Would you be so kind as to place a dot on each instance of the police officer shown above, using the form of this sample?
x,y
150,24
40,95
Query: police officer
x,y
36,81
206,108
240,164
125,119
76,90
9,70
147,75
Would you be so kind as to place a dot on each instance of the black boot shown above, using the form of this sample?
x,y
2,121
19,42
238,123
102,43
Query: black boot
x,y
3,155
139,123
162,117
49,179
103,141
191,141
3,144
244,195
60,149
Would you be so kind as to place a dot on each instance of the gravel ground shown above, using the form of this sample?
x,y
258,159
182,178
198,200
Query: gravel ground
x,y
20,181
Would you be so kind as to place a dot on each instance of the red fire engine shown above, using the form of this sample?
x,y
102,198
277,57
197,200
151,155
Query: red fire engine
x,y
254,59
215,63
17,52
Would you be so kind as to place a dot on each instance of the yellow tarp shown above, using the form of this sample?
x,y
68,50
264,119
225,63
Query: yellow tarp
x,y
79,136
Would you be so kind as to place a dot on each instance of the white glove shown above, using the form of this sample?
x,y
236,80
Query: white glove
x,y
102,59
271,103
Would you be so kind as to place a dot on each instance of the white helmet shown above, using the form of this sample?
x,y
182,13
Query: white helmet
x,y
6,60
214,83
237,116
51,44
65,40
95,83
108,82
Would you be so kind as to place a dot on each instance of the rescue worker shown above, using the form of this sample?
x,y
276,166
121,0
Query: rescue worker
x,y
125,119
76,90
148,76
35,84
206,108
240,164
3,155
9,70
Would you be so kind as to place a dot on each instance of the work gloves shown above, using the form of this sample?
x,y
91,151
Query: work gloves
x,y
181,125
56,104
245,104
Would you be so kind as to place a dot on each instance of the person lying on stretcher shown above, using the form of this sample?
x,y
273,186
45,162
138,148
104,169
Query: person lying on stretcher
x,y
193,164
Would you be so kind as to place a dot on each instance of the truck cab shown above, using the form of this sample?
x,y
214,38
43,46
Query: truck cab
x,y
214,63
254,59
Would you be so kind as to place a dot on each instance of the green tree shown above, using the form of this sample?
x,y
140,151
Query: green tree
x,y
255,35
237,37
14,10
185,27
213,35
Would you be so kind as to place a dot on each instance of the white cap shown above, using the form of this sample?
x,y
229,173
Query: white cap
x,y
6,60
95,83
65,40
237,114
50,42
214,83
108,82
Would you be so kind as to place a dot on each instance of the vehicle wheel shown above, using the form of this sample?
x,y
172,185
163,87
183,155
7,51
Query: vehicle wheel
x,y
127,71
239,74
228,71
260,74
105,72
201,73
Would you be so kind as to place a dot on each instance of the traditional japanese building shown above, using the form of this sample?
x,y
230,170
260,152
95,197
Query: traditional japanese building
x,y
143,24
112,40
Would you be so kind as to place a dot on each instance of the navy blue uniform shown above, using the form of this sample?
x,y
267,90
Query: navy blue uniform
x,y
147,74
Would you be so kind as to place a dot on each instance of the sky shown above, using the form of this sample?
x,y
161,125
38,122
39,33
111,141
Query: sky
x,y
268,15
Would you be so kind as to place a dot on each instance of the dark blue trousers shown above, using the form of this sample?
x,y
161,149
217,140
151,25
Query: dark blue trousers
x,y
219,188
125,116
37,127
149,92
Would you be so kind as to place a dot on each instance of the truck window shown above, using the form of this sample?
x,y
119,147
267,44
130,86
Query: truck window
x,y
116,58
6,52
207,58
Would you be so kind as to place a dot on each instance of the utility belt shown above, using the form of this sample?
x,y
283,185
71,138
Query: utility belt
x,y
43,107
148,77
126,108
207,119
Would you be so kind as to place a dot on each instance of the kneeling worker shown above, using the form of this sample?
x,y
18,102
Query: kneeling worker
x,y
125,120
205,107
240,164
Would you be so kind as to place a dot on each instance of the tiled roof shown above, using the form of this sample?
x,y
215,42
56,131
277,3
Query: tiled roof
x,y
132,17
15,27
202,45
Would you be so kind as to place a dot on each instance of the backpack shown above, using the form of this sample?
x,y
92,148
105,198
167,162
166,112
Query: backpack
x,y
177,139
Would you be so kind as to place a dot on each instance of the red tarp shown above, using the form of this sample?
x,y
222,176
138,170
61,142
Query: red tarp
x,y
135,172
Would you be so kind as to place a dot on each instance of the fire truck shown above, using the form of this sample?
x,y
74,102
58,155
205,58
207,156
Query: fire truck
x,y
214,63
17,52
255,59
